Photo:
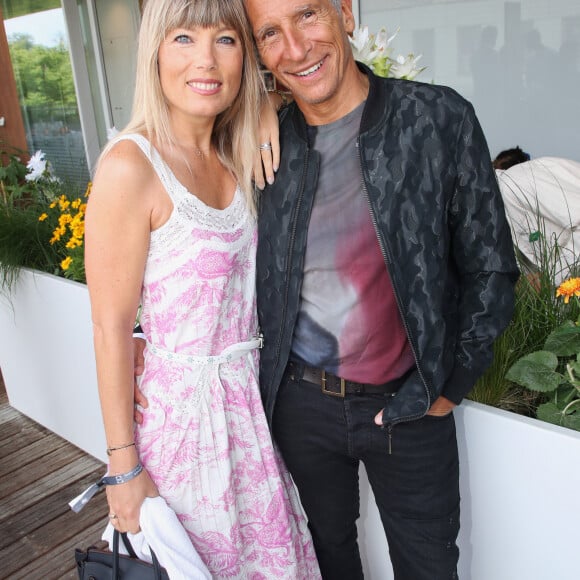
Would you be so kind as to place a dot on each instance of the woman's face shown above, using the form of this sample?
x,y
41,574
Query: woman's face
x,y
200,70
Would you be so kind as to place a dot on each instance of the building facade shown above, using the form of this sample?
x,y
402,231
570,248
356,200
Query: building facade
x,y
518,62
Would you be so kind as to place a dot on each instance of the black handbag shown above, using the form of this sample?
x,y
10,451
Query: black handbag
x,y
96,564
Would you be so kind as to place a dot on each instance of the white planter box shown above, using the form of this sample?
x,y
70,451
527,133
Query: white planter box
x,y
520,500
47,360
520,478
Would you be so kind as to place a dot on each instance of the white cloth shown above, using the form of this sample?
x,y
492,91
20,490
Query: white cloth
x,y
162,531
542,203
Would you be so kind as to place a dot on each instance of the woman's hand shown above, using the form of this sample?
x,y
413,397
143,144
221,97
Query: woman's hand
x,y
267,159
125,501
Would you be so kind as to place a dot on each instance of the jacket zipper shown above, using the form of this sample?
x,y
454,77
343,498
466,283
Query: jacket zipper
x,y
289,255
388,260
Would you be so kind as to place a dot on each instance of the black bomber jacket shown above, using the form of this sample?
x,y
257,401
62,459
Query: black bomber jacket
x,y
426,171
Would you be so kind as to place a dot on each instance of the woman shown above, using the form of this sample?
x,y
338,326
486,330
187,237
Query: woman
x,y
170,225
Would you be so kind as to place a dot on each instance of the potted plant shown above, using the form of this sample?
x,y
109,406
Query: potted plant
x,y
41,222
46,353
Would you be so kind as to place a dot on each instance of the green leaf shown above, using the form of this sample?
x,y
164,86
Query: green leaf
x,y
551,414
536,371
564,341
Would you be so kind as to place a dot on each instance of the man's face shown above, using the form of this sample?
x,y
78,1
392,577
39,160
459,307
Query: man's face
x,y
304,43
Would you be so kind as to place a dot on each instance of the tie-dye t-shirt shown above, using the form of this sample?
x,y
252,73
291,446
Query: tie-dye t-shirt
x,y
348,322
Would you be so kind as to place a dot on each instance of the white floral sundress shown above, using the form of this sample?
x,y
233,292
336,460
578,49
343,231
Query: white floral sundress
x,y
204,438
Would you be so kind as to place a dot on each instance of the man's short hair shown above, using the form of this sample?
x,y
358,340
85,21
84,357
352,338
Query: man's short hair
x,y
505,159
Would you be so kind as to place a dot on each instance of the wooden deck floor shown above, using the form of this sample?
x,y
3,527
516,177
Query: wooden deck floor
x,y
39,474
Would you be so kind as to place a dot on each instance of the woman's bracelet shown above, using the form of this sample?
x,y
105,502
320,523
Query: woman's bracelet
x,y
79,502
122,477
111,449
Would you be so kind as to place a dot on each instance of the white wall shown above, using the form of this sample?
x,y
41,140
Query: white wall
x,y
519,482
524,83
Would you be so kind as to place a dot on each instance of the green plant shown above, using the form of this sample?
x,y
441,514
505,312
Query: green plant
x,y
554,370
536,314
32,210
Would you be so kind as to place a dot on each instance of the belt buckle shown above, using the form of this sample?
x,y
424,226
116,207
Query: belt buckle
x,y
333,393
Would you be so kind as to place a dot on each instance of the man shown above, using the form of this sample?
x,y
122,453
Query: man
x,y
542,203
509,157
385,272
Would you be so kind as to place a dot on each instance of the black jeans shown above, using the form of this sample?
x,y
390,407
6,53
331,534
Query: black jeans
x,y
416,485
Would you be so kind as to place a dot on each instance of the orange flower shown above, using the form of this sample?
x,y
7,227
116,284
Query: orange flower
x,y
569,288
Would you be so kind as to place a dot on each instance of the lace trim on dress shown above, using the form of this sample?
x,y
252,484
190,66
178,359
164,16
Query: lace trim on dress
x,y
187,206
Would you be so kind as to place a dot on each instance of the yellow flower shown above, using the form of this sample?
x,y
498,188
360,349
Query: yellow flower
x,y
63,203
42,217
569,288
64,219
66,263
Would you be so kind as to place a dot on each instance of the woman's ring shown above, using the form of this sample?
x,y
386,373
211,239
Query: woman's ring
x,y
266,146
113,517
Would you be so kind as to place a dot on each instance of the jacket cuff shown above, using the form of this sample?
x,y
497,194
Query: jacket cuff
x,y
459,384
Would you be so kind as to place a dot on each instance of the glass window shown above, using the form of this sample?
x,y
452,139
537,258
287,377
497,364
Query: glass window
x,y
39,52
517,61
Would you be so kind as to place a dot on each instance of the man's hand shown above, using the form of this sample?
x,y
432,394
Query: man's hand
x,y
441,407
139,367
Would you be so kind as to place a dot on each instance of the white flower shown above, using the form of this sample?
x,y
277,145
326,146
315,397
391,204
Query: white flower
x,y
363,45
383,41
36,166
376,54
405,67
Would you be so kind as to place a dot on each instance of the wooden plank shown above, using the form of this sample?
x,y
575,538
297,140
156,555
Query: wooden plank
x,y
59,563
62,529
12,426
32,452
8,413
32,492
39,474
52,461
30,518
28,434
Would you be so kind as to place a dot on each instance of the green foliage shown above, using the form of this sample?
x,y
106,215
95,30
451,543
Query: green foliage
x,y
44,77
25,239
536,314
24,7
528,374
555,370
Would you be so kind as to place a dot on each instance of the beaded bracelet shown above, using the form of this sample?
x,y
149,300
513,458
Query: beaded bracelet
x,y
111,449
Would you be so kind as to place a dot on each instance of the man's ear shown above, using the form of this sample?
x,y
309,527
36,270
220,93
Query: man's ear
x,y
347,16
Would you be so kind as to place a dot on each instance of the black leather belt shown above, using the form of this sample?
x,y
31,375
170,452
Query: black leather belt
x,y
337,386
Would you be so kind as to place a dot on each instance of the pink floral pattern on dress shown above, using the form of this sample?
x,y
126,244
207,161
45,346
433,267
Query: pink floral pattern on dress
x,y
204,439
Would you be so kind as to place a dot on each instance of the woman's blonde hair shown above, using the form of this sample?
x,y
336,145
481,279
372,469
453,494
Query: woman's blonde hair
x,y
235,134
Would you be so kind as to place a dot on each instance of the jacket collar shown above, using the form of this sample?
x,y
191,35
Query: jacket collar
x,y
373,113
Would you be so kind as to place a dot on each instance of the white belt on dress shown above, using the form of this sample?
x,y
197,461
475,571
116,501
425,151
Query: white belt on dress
x,y
229,354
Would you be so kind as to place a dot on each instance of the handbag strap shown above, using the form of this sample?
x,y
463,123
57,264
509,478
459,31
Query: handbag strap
x,y
115,555
116,534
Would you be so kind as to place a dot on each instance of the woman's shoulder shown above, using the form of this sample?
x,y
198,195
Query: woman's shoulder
x,y
123,167
125,159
